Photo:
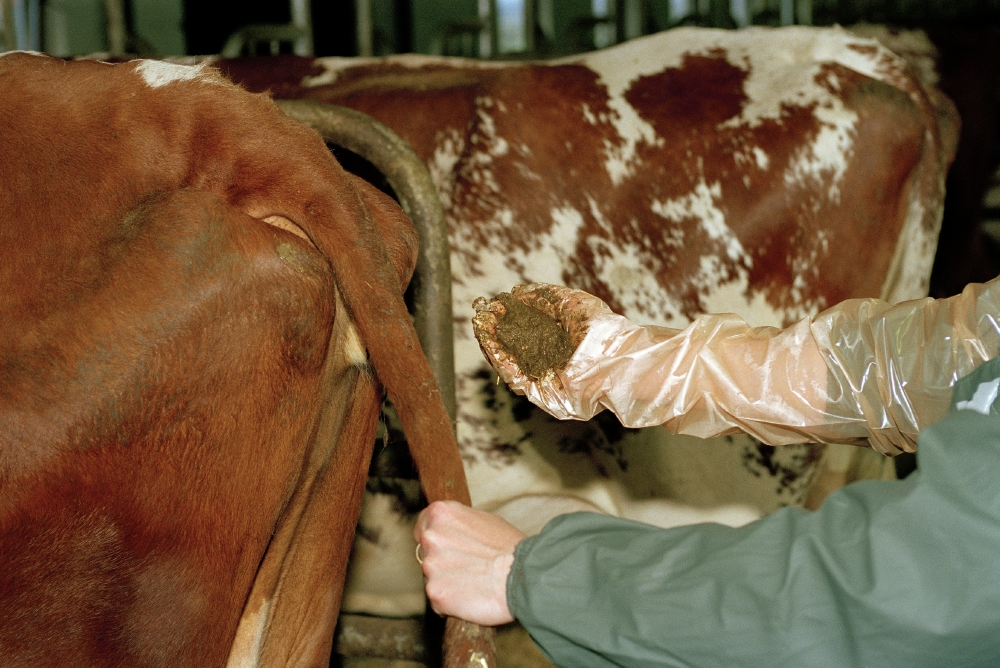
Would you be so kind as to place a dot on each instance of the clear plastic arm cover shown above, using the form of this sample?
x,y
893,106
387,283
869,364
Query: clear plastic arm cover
x,y
861,372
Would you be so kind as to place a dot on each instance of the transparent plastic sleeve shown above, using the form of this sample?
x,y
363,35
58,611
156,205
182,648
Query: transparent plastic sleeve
x,y
862,372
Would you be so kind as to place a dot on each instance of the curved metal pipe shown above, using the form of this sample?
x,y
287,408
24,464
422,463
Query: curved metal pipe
x,y
406,173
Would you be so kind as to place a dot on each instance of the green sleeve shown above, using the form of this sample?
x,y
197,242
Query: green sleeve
x,y
901,573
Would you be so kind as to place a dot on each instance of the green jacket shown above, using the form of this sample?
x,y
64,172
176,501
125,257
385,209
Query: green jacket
x,y
902,573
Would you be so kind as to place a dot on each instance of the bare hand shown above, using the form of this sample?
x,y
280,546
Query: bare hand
x,y
466,556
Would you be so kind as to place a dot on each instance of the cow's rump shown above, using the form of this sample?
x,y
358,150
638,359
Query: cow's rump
x,y
191,290
152,409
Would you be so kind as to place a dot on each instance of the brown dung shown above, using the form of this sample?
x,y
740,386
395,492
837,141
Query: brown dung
x,y
535,340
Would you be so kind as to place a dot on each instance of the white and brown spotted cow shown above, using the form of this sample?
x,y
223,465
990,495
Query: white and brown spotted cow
x,y
766,172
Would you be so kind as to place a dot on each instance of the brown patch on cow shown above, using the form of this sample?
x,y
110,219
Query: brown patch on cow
x,y
687,106
402,97
792,231
784,228
888,143
280,75
703,92
535,340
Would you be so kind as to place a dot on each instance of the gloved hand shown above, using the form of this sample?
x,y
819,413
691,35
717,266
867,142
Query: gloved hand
x,y
526,346
860,372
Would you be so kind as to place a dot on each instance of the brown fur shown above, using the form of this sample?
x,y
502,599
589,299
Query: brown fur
x,y
164,359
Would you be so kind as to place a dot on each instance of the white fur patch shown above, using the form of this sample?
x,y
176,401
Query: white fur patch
x,y
334,65
449,147
701,204
249,641
353,346
157,73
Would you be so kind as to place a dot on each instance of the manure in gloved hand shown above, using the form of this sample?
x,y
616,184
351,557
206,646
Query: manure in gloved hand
x,y
535,340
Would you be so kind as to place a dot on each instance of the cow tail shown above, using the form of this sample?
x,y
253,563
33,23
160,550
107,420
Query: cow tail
x,y
374,297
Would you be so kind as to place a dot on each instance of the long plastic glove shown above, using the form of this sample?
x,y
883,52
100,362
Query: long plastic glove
x,y
861,372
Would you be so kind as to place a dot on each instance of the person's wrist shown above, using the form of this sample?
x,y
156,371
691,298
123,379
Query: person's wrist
x,y
502,566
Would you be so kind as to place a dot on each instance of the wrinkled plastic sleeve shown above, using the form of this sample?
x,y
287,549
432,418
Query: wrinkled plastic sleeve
x,y
860,372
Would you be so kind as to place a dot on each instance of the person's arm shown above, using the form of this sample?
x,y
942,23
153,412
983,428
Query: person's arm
x,y
860,372
899,573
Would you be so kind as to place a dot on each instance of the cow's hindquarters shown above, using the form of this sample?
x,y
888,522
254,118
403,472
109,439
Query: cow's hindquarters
x,y
152,434
291,613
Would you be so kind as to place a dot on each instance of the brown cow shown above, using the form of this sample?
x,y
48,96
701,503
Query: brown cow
x,y
186,408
